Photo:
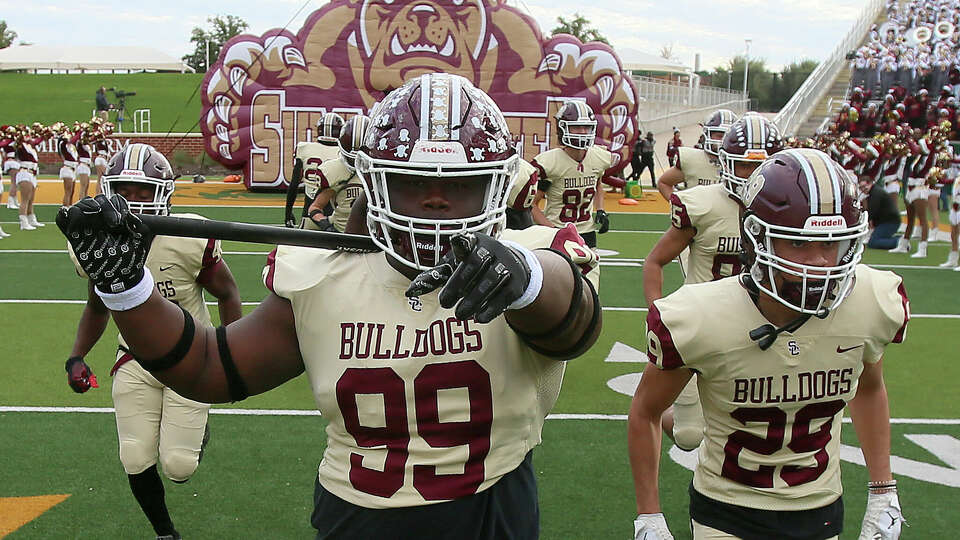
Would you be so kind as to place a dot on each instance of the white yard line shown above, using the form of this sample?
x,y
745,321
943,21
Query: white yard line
x,y
314,412
605,308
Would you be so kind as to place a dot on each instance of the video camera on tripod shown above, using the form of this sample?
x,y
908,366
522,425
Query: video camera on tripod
x,y
121,106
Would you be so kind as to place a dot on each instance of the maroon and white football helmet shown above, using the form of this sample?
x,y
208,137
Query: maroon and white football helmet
x,y
802,195
328,128
750,139
142,164
438,126
576,113
351,138
715,127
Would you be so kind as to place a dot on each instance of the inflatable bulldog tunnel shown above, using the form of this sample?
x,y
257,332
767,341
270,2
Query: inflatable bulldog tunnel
x,y
265,93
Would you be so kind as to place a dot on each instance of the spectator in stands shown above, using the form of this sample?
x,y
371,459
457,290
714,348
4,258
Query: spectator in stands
x,y
884,216
102,104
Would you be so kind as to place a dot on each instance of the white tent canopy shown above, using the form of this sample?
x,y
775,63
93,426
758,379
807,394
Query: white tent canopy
x,y
634,60
88,58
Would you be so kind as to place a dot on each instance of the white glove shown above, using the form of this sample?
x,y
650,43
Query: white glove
x,y
651,527
883,519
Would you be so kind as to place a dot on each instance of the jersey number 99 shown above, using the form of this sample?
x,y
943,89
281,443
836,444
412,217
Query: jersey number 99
x,y
395,435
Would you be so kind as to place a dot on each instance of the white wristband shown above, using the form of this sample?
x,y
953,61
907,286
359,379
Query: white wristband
x,y
130,298
536,276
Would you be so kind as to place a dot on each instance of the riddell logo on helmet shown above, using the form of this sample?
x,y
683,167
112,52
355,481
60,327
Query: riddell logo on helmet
x,y
438,150
830,222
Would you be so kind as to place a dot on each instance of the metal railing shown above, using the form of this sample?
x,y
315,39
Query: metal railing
x,y
683,94
796,111
687,116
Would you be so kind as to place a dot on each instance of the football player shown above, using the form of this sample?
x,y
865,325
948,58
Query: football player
x,y
523,189
154,423
779,352
337,180
695,167
707,221
307,159
570,176
444,352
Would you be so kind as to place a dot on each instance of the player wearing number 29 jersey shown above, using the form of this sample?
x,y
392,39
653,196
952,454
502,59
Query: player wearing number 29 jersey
x,y
705,225
773,416
778,352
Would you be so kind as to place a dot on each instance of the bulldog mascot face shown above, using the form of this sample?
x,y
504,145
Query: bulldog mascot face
x,y
265,93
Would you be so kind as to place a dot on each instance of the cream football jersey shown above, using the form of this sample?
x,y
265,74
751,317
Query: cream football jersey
x,y
312,154
773,417
422,407
699,169
573,184
346,185
176,264
714,252
523,186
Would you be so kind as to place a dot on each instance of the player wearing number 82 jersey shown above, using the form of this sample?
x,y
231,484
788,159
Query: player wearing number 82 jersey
x,y
571,187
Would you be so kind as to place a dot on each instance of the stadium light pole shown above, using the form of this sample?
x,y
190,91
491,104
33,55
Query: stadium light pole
x,y
746,68
206,58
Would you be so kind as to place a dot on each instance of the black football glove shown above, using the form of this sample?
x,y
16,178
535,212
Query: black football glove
x,y
110,243
600,218
479,275
79,375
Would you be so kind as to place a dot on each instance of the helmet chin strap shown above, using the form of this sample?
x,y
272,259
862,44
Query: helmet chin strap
x,y
766,334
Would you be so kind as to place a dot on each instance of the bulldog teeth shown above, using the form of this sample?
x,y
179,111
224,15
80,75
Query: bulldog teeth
x,y
447,49
422,47
395,47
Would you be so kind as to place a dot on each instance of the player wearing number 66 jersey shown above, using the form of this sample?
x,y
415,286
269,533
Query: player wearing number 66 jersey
x,y
779,352
705,220
569,176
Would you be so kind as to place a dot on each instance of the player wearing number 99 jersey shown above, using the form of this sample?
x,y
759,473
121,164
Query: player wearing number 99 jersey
x,y
773,403
435,360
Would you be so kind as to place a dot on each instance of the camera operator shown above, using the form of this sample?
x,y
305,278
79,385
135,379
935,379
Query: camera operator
x,y
102,104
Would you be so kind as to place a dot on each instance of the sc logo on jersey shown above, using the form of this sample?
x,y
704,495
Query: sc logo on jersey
x,y
793,347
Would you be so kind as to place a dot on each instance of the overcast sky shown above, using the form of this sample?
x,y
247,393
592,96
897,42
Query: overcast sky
x,y
782,30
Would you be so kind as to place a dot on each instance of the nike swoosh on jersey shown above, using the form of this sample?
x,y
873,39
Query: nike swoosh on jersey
x,y
841,350
164,269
